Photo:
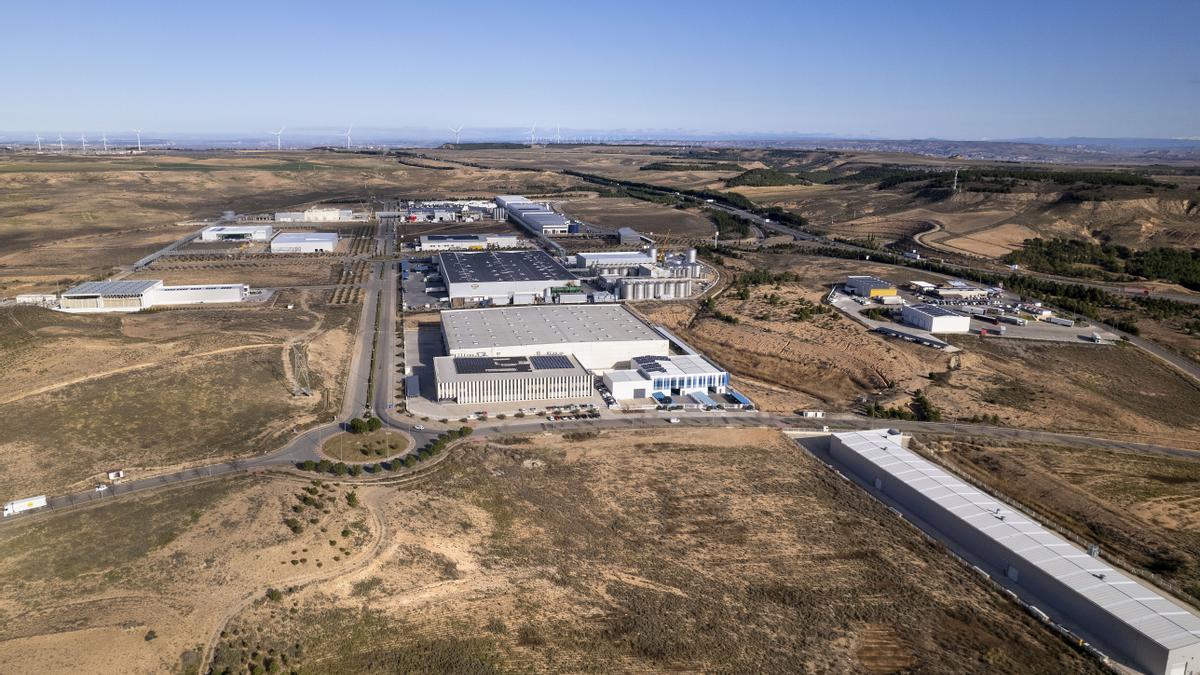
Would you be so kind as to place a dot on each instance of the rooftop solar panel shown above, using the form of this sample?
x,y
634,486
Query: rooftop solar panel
x,y
552,362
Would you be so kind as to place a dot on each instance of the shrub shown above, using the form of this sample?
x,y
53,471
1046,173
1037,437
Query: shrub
x,y
352,498
341,469
410,461
358,426
274,594
374,424
307,465
356,470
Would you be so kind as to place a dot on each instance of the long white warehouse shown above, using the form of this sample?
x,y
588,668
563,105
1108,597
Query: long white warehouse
x,y
134,296
467,242
1116,613
236,233
304,242
537,218
935,319
600,337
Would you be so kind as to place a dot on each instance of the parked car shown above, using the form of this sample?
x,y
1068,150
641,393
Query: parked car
x,y
419,427
674,420
101,487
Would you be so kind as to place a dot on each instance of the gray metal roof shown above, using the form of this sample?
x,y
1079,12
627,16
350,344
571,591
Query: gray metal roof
x,y
542,325
1159,619
113,288
301,237
869,282
491,266
933,310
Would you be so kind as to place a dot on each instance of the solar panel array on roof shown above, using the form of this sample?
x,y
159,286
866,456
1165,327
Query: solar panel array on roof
x,y
493,266
650,364
113,288
552,362
471,365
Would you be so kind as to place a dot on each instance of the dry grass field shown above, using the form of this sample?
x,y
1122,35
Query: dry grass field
x,y
142,583
1146,510
156,390
732,551
645,217
1117,391
67,220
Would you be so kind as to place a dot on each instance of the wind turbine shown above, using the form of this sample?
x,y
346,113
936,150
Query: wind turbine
x,y
83,142
139,138
104,140
457,133
557,133
38,139
61,147
279,138
533,134
347,135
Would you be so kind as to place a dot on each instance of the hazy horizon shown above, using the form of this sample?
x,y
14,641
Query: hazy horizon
x,y
918,70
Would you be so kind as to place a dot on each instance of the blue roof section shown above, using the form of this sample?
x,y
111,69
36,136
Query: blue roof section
x,y
661,397
703,399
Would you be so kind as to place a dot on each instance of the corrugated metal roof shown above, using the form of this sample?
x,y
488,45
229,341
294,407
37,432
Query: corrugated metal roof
x,y
113,288
1159,619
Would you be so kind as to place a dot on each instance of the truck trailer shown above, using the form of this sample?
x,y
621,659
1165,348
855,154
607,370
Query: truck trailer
x,y
23,505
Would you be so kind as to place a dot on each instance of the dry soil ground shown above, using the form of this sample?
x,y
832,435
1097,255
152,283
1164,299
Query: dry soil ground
x,y
645,217
140,584
730,551
1145,510
87,394
65,220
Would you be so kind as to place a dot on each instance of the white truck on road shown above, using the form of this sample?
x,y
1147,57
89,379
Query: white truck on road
x,y
23,505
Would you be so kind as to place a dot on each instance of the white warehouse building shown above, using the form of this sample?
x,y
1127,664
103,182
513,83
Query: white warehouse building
x,y
535,217
491,379
467,242
935,319
677,375
1115,613
501,277
600,337
316,214
134,296
304,242
236,233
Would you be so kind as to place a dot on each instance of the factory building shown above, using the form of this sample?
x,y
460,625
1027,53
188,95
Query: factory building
x,y
510,378
1112,611
316,214
501,277
616,263
678,375
134,296
236,233
935,319
537,218
467,242
960,293
869,287
304,242
600,337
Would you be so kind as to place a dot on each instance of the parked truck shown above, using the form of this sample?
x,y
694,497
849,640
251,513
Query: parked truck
x,y
1014,320
23,505
1059,321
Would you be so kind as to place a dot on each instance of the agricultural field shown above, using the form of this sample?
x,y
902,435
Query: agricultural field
x,y
154,390
1143,509
69,220
142,584
730,551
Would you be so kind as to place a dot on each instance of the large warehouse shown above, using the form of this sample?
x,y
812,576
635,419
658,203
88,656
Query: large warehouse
x,y
316,214
667,375
467,242
1113,611
935,319
600,337
870,287
537,218
304,242
501,277
510,378
133,296
236,233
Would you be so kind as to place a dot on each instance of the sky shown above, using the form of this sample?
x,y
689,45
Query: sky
x,y
891,69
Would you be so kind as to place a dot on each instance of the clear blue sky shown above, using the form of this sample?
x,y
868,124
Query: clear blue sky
x,y
899,69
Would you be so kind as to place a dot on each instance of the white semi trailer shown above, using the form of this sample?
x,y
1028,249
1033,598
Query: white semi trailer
x,y
23,505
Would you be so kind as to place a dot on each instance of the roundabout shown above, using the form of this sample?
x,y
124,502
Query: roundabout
x,y
367,447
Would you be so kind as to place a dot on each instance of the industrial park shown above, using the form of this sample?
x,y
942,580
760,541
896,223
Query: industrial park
x,y
520,356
